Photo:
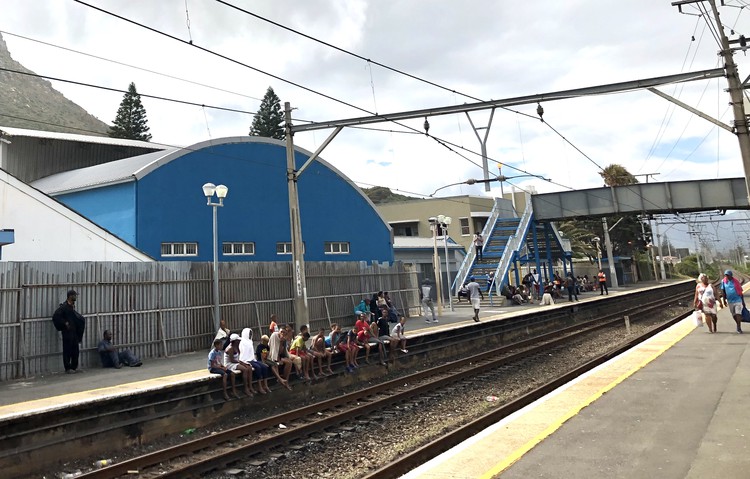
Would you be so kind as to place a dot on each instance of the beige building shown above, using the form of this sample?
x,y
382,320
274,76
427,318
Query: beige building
x,y
468,213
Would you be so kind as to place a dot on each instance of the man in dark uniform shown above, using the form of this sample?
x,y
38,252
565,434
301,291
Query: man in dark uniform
x,y
72,325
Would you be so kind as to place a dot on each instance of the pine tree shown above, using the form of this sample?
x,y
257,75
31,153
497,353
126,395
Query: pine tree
x,y
130,122
269,119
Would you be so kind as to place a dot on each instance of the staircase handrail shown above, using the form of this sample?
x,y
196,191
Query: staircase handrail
x,y
463,270
513,246
564,242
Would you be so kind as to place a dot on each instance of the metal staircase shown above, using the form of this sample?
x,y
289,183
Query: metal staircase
x,y
506,241
468,262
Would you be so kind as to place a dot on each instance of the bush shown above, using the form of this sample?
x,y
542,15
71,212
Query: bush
x,y
689,268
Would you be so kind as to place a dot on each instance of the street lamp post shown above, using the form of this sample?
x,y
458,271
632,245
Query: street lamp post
x,y
209,189
596,241
445,221
436,264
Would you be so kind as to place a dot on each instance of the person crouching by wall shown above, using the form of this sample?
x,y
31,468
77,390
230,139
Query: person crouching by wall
x,y
111,358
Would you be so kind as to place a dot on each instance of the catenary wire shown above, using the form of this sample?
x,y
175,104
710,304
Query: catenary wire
x,y
117,90
282,79
401,72
310,90
109,60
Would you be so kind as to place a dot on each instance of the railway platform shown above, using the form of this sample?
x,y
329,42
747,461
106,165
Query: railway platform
x,y
54,416
675,406
57,391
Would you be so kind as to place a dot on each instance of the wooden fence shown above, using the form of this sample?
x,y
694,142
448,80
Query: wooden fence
x,y
166,308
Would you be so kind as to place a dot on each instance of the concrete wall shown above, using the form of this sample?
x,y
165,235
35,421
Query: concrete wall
x,y
475,208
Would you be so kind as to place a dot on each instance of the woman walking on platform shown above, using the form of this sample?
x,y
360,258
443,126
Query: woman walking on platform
x,y
705,300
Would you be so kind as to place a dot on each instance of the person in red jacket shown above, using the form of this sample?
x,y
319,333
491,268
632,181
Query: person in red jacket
x,y
602,282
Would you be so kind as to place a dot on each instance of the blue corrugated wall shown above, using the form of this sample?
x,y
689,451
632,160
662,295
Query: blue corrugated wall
x,y
112,208
170,206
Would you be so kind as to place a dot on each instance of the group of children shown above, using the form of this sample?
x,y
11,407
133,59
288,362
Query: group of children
x,y
281,351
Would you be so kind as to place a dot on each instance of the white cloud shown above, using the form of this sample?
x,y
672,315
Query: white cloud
x,y
485,48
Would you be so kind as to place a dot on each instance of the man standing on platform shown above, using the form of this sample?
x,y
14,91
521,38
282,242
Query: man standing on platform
x,y
72,325
475,293
425,295
732,296
602,282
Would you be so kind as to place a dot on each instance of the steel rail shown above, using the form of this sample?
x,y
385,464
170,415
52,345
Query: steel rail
x,y
409,461
478,363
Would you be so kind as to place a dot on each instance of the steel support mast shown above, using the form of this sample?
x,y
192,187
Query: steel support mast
x,y
295,227
735,87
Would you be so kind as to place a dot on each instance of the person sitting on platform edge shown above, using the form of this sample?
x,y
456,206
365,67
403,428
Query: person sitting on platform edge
x,y
111,358
216,366
363,307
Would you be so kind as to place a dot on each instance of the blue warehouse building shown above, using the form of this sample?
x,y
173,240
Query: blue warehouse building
x,y
155,202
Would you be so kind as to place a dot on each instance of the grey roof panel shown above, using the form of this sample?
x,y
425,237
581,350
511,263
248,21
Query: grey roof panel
x,y
105,140
113,172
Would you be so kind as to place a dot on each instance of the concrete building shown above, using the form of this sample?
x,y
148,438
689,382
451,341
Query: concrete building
x,y
420,253
469,215
46,230
155,203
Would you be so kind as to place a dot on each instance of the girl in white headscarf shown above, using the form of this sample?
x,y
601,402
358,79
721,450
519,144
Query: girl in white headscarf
x,y
247,356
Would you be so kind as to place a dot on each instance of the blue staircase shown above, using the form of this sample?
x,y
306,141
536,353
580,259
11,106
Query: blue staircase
x,y
495,247
508,240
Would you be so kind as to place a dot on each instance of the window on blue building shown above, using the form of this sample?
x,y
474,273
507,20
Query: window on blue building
x,y
179,249
238,249
286,248
336,247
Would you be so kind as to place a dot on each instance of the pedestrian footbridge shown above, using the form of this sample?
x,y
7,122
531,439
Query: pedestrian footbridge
x,y
533,238
643,198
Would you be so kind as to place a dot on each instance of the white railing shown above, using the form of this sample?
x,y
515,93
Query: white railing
x,y
463,270
564,243
514,245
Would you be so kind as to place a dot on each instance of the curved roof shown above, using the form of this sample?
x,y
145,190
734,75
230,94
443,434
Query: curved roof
x,y
136,167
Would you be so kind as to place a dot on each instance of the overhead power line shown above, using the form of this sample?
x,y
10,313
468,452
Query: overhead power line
x,y
308,89
144,95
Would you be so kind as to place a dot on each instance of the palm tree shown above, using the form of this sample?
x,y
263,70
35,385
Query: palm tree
x,y
617,175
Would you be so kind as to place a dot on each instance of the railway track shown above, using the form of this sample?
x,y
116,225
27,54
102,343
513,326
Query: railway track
x,y
265,437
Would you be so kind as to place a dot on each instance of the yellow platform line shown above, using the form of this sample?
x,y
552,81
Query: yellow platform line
x,y
128,389
510,439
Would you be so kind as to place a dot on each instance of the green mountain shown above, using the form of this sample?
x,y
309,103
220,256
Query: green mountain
x,y
380,195
31,102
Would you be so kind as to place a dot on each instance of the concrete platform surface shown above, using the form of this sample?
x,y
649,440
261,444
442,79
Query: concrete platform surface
x,y
673,407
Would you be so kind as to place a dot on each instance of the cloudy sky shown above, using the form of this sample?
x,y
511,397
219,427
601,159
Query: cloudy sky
x,y
481,48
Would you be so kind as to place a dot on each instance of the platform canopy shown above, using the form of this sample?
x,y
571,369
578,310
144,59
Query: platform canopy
x,y
648,198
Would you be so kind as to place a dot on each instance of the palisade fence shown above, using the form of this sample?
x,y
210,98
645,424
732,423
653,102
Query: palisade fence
x,y
166,308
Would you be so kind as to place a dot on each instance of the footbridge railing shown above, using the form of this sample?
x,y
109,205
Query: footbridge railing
x,y
463,270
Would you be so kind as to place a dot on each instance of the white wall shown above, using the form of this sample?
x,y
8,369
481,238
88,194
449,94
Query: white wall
x,y
45,230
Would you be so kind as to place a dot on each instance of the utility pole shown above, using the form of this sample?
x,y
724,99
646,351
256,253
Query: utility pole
x,y
295,224
610,256
661,254
740,126
697,253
